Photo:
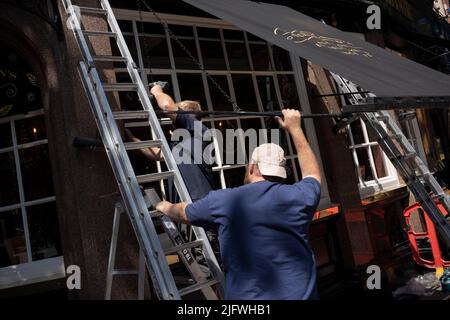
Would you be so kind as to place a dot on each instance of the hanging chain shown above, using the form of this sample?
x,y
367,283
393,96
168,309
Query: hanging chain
x,y
186,50
146,48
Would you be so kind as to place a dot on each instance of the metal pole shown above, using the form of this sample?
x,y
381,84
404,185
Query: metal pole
x,y
249,113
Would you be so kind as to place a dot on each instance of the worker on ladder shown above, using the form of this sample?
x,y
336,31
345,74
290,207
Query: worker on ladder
x,y
264,225
197,176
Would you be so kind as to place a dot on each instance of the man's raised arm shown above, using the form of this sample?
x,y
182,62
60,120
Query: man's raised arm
x,y
164,101
306,158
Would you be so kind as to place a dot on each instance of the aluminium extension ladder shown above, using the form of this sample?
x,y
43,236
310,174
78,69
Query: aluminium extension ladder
x,y
134,202
404,157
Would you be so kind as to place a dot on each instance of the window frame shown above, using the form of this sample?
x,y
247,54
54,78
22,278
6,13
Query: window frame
x,y
135,17
371,187
31,271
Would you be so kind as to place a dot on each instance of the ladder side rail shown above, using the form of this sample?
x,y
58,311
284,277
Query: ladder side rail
x,y
428,177
128,185
78,31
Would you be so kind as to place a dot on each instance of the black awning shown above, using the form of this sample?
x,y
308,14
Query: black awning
x,y
371,67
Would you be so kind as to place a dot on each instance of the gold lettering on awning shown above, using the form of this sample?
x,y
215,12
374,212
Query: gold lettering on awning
x,y
342,46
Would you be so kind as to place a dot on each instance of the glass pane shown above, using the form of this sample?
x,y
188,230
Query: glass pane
x,y
211,49
13,249
186,37
235,177
44,231
125,25
150,28
31,129
9,191
5,135
131,43
36,174
191,88
236,50
379,161
364,164
233,35
267,93
237,56
217,183
288,89
253,123
248,125
245,92
281,59
357,132
260,57
155,53
229,154
219,101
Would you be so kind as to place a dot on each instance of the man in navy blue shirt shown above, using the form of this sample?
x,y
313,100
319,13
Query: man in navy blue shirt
x,y
196,173
264,225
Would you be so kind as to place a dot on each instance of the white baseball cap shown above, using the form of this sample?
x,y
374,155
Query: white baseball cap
x,y
270,160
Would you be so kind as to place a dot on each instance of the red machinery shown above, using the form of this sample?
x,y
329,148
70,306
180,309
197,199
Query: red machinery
x,y
430,233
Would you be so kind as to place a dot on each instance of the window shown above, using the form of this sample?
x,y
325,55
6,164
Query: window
x,y
29,234
257,75
374,170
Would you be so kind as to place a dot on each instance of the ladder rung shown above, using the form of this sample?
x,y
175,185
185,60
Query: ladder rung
x,y
181,247
110,58
122,272
382,118
154,177
126,115
197,287
142,144
140,124
120,87
409,155
93,10
397,136
100,33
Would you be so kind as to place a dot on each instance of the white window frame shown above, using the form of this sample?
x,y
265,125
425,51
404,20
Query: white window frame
x,y
31,271
372,187
135,17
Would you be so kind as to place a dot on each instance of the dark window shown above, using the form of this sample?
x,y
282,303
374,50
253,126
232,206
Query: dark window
x,y
260,57
267,93
13,249
245,92
155,52
36,173
288,91
5,135
234,177
9,192
211,48
44,231
186,37
191,88
236,50
281,59
31,129
219,101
